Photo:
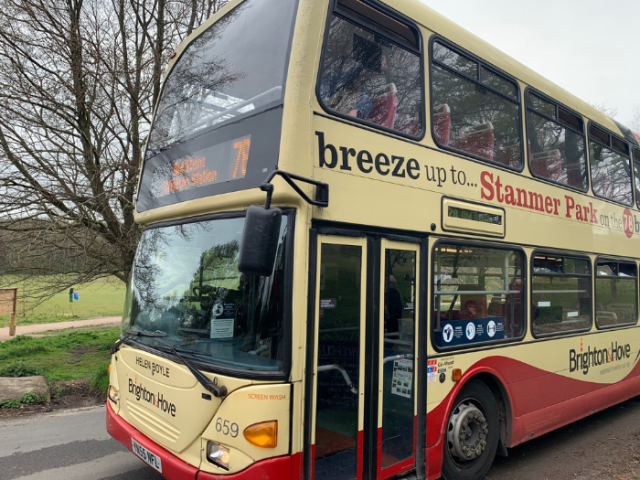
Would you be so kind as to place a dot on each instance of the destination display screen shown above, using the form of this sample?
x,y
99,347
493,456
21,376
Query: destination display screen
x,y
456,212
217,163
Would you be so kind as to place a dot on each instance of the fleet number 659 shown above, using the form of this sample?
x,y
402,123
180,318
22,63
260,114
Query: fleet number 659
x,y
227,428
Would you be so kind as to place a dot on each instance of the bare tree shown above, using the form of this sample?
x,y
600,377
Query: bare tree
x,y
78,81
635,120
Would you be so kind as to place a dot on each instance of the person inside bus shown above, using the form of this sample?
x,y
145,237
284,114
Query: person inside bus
x,y
470,309
393,302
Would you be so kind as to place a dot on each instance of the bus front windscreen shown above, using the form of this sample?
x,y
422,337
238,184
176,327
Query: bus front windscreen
x,y
186,292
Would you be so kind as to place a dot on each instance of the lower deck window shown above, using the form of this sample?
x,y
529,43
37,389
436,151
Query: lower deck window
x,y
478,294
616,293
560,294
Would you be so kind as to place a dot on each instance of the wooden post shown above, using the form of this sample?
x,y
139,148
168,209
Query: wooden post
x,y
9,305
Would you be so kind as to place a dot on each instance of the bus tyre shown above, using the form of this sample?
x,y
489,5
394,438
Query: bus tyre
x,y
472,432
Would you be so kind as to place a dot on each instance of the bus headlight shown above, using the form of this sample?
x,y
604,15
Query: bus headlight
x,y
113,394
218,455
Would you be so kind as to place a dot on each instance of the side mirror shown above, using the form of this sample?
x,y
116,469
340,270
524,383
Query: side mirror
x,y
260,240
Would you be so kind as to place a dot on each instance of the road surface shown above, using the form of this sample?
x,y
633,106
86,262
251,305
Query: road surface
x,y
74,445
69,445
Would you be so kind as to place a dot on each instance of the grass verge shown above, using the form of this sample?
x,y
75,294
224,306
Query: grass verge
x,y
68,356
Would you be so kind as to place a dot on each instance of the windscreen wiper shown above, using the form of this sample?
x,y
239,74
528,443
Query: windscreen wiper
x,y
134,333
217,390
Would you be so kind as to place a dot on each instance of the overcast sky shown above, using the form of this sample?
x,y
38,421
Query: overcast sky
x,y
589,47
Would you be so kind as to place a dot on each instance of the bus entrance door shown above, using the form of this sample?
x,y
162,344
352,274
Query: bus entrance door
x,y
362,408
397,407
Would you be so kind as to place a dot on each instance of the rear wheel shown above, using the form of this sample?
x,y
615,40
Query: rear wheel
x,y
472,433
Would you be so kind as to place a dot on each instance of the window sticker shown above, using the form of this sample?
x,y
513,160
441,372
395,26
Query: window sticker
x,y
477,330
222,320
402,379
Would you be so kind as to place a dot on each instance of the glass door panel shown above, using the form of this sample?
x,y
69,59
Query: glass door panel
x,y
398,310
340,314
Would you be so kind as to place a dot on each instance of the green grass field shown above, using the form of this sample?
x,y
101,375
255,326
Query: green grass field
x,y
101,298
68,356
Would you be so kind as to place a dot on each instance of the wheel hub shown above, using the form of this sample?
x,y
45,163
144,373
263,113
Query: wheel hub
x,y
467,432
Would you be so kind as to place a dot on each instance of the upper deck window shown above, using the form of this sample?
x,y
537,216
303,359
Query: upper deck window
x,y
556,143
234,69
371,69
475,108
218,121
610,166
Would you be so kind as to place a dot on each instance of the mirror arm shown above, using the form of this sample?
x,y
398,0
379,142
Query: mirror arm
x,y
322,189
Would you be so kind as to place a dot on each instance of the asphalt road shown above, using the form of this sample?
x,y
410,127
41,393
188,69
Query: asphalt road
x,y
74,445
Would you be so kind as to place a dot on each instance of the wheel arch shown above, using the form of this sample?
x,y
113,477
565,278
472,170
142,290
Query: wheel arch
x,y
505,410
497,385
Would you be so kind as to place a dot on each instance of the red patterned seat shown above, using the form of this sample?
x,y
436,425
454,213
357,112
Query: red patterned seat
x,y
385,108
477,140
442,123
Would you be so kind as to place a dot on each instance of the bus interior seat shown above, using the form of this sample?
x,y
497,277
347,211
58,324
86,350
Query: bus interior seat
x,y
508,155
442,123
548,315
606,318
385,108
624,312
547,164
477,140
480,299
496,306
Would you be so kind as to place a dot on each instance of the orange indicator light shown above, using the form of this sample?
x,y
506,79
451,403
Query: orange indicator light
x,y
457,375
263,434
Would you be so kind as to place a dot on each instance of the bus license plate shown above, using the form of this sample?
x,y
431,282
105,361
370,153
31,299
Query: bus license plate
x,y
148,457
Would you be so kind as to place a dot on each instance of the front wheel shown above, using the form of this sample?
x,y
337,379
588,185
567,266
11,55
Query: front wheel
x,y
472,433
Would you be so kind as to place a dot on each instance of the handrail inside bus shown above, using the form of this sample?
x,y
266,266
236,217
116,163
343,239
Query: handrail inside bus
x,y
234,108
396,357
474,292
345,375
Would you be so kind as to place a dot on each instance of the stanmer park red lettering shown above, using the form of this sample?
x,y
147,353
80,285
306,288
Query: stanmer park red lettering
x,y
493,189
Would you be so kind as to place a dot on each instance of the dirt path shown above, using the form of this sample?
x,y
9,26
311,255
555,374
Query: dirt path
x,y
46,327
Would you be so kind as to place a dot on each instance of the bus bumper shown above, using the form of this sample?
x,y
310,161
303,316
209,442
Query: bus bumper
x,y
174,468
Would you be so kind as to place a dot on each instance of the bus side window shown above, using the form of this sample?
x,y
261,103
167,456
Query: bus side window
x,y
560,294
474,109
477,295
616,298
367,76
556,143
610,166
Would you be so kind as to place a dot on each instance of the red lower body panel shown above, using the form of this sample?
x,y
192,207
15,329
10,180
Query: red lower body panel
x,y
175,469
540,402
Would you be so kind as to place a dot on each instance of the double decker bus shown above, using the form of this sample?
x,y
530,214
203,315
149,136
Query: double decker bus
x,y
374,246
